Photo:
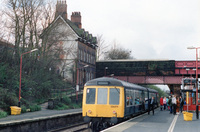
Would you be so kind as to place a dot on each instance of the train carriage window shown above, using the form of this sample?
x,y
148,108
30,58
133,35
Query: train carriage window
x,y
127,97
114,96
102,96
132,96
137,97
90,97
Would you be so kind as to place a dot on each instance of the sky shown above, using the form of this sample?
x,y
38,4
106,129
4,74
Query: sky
x,y
150,29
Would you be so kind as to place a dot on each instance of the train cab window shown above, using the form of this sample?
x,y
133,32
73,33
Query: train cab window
x,y
90,97
114,96
102,96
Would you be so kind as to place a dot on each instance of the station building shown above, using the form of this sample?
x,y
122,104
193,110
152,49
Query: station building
x,y
77,46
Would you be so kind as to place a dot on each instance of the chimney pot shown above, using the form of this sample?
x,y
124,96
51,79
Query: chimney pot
x,y
76,19
61,9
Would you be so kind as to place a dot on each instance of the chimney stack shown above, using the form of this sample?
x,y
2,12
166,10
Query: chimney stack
x,y
76,19
61,9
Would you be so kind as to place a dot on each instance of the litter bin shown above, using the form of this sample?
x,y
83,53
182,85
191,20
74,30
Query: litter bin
x,y
15,110
187,116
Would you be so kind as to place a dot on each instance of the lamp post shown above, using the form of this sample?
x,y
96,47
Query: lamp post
x,y
105,70
77,81
197,107
21,73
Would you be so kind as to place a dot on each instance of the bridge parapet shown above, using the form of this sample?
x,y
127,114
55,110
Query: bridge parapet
x,y
166,80
186,68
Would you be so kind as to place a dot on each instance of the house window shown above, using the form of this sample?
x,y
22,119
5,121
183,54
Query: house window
x,y
84,56
89,58
79,53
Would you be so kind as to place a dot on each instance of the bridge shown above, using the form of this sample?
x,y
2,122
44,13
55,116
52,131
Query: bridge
x,y
166,72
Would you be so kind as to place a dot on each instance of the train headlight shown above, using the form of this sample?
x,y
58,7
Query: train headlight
x,y
89,111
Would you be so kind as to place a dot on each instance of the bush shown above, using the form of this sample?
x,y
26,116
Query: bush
x,y
23,109
66,100
2,114
61,106
35,108
75,106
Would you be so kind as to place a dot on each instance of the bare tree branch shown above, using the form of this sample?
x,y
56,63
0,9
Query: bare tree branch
x,y
102,47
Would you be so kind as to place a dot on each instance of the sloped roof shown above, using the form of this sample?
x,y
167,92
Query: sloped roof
x,y
82,33
84,36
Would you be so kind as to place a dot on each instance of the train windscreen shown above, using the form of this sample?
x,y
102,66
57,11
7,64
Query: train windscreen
x,y
114,96
102,96
90,97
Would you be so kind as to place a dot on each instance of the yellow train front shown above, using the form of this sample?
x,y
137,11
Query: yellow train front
x,y
106,101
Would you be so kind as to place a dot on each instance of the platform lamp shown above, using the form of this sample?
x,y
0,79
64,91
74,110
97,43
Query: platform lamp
x,y
197,107
77,81
20,76
106,68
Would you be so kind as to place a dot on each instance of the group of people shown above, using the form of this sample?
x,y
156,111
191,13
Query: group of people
x,y
173,104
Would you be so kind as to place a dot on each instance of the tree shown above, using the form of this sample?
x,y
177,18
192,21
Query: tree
x,y
160,91
102,47
117,52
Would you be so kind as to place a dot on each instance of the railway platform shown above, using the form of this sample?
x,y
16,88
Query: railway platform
x,y
31,116
161,121
43,120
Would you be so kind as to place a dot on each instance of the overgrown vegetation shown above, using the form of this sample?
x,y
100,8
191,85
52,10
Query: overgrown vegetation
x,y
66,103
2,114
25,22
36,87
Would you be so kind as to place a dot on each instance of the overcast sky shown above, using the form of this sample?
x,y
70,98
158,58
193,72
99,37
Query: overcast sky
x,y
151,29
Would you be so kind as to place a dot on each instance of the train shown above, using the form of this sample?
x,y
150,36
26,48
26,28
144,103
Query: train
x,y
107,101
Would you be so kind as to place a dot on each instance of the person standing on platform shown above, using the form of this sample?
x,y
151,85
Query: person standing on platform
x,y
177,105
170,104
174,104
164,103
161,103
151,105
167,99
181,104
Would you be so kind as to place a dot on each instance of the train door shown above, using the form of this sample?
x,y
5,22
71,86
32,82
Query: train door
x,y
146,100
